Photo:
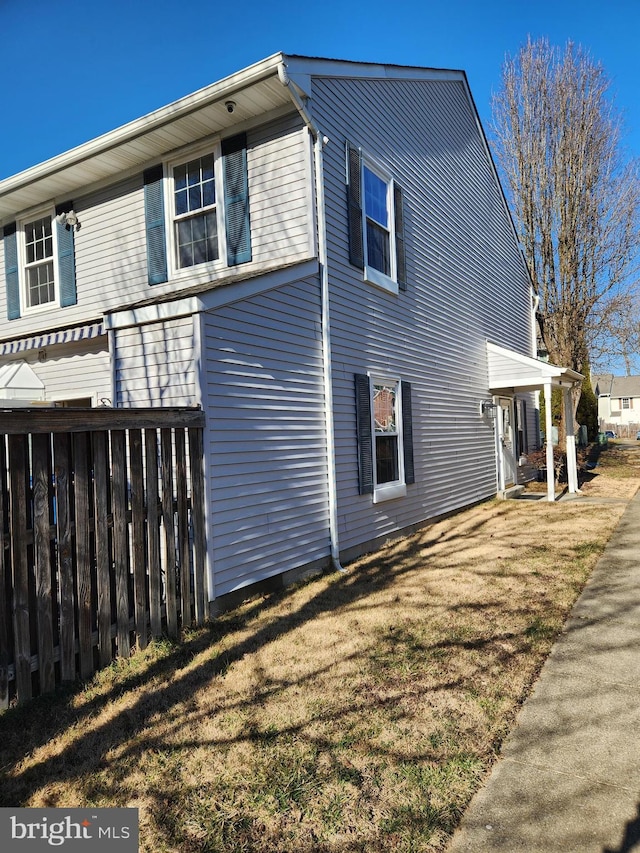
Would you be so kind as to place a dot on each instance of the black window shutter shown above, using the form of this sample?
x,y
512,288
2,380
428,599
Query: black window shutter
x,y
236,199
407,433
12,279
365,437
401,263
154,218
66,258
354,206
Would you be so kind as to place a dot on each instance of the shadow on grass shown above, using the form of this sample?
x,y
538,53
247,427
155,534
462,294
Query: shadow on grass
x,y
172,681
631,838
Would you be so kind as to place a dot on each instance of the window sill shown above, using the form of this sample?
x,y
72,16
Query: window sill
x,y
388,492
198,272
374,276
39,309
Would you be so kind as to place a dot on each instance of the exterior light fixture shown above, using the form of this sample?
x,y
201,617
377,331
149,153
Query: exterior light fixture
x,y
488,409
69,220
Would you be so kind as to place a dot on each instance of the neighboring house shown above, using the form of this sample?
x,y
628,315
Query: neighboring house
x,y
618,402
320,255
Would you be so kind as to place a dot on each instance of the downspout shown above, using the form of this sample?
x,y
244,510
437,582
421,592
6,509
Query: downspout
x,y
319,141
534,322
113,369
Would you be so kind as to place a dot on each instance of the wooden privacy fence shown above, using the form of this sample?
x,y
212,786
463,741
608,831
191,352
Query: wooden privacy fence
x,y
102,535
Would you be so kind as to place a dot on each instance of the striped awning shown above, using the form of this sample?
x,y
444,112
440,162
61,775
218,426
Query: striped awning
x,y
48,339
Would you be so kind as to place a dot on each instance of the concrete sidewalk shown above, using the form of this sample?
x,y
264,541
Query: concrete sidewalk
x,y
568,779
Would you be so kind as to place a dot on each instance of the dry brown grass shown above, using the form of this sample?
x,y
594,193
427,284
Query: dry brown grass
x,y
357,712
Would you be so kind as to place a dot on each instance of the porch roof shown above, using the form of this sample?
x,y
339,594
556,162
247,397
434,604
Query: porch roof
x,y
510,371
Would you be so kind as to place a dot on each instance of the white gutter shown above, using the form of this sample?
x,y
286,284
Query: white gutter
x,y
140,127
319,141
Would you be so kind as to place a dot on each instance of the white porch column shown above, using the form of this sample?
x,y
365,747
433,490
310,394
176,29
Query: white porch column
x,y
572,465
548,435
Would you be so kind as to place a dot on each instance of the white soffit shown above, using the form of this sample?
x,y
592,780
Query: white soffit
x,y
255,90
510,370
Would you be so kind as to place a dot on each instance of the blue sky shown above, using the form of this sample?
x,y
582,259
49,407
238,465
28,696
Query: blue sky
x,y
72,70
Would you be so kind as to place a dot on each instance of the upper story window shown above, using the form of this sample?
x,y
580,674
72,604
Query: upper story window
x,y
626,402
378,233
206,197
376,222
195,211
39,261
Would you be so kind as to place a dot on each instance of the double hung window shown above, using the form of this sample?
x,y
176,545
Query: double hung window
x,y
376,222
385,436
39,261
378,234
39,276
387,432
195,211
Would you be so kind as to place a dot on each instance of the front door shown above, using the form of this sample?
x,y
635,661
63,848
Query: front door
x,y
506,443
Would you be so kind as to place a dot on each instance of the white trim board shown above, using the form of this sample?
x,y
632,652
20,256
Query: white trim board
x,y
214,298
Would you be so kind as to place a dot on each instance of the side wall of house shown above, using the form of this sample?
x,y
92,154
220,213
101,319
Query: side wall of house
x,y
266,446
466,284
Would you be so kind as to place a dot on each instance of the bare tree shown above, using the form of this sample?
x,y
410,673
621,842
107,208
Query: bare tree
x,y
576,201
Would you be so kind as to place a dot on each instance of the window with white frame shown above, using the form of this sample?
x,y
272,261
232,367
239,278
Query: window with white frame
x,y
39,260
39,275
387,432
376,222
377,217
385,436
195,212
625,402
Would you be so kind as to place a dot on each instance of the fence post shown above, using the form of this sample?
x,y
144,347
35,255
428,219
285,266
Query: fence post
x,y
153,533
41,449
184,567
197,519
137,532
62,472
4,571
83,565
169,534
103,555
120,549
18,527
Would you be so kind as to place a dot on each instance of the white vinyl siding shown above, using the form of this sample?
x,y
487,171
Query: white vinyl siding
x,y
466,282
280,192
155,364
111,248
266,450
